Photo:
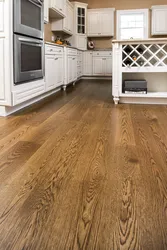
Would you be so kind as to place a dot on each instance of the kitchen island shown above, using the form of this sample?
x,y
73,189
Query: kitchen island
x,y
136,60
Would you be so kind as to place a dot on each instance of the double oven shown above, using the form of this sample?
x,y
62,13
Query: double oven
x,y
28,40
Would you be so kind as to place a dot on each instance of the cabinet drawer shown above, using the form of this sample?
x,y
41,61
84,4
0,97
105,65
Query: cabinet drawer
x,y
72,52
51,50
102,53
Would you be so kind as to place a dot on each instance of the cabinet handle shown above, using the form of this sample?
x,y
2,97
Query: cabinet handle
x,y
73,59
61,9
51,49
56,58
59,50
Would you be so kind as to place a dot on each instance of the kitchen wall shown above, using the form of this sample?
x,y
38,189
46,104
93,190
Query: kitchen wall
x,y
122,4
119,5
48,33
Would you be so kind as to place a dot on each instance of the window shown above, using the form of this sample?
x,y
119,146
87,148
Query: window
x,y
132,24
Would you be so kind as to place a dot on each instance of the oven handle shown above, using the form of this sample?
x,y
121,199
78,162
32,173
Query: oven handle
x,y
30,41
36,2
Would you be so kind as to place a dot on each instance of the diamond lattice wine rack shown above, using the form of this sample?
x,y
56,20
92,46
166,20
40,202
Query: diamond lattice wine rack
x,y
137,57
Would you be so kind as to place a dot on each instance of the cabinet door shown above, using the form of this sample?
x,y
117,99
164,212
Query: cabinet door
x,y
2,72
46,11
81,20
98,66
81,42
69,69
74,68
106,23
159,22
66,19
93,23
50,72
70,18
88,63
59,71
58,5
108,66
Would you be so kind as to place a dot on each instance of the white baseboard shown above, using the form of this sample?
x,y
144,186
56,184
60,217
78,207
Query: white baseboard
x,y
96,77
138,100
5,111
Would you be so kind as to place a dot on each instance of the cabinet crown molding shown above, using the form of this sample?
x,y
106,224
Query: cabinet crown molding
x,y
159,7
80,4
102,9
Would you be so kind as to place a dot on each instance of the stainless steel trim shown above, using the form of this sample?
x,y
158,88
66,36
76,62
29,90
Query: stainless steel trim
x,y
35,3
23,29
27,40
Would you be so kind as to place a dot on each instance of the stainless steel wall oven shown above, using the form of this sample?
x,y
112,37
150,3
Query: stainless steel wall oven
x,y
28,40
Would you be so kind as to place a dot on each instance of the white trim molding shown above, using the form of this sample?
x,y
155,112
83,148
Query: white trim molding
x,y
145,12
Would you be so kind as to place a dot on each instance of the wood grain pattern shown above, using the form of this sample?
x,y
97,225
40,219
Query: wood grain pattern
x,y
77,172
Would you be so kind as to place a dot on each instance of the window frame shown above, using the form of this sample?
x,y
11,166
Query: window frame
x,y
133,11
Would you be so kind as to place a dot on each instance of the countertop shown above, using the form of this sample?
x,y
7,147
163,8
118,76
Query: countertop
x,y
63,46
140,40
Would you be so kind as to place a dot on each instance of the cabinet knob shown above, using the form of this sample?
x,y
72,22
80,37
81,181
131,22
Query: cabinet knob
x,y
56,58
51,49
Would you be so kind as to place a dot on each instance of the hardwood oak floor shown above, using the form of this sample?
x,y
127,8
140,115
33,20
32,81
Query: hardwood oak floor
x,y
77,172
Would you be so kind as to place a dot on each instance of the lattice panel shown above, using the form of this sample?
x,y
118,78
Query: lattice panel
x,y
144,55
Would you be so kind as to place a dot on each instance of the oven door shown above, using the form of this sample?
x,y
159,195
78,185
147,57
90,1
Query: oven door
x,y
28,59
29,17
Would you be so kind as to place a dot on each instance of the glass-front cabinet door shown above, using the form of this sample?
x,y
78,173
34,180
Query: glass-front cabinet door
x,y
81,20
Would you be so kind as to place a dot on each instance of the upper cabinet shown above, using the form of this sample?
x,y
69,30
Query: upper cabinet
x,y
159,20
46,11
101,22
57,8
79,39
65,24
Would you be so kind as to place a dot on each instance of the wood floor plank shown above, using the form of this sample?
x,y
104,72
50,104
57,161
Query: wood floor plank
x,y
78,172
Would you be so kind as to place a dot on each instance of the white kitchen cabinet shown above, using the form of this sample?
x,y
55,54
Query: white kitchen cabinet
x,y
81,42
93,21
46,11
2,72
70,17
79,38
108,66
101,22
6,62
72,68
57,8
54,70
59,71
102,63
88,63
159,20
79,64
98,66
50,72
64,24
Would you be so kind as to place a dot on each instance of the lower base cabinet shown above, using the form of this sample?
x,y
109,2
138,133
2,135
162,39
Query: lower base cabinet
x,y
72,68
102,66
97,63
54,71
